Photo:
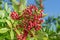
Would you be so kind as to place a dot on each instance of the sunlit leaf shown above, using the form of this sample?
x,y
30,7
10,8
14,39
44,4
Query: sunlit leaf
x,y
15,2
45,38
9,10
9,23
23,4
2,20
2,13
4,30
12,34
9,18
6,6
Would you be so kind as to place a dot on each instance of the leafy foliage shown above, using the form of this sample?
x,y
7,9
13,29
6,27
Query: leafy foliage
x,y
7,25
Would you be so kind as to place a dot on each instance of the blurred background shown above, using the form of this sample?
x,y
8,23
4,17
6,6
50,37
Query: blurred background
x,y
51,26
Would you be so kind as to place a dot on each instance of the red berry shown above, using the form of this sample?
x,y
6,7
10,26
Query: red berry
x,y
14,15
37,28
25,32
25,35
35,17
34,23
41,6
29,12
19,37
29,28
30,20
31,24
40,15
42,20
24,38
25,26
41,11
35,8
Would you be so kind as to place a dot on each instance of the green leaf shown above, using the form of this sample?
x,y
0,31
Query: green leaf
x,y
15,2
23,4
22,7
9,10
9,23
6,6
0,2
1,37
9,18
15,5
12,34
37,1
2,13
0,7
4,30
2,20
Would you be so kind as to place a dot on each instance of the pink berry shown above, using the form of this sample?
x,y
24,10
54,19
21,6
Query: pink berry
x,y
14,15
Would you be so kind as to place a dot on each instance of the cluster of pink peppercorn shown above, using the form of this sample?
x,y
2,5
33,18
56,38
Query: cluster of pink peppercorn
x,y
32,20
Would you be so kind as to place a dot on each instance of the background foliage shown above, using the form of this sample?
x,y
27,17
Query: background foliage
x,y
50,30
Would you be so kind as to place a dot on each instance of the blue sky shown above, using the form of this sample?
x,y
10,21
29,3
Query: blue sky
x,y
51,7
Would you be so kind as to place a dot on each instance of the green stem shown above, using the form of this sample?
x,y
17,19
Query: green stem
x,y
15,29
